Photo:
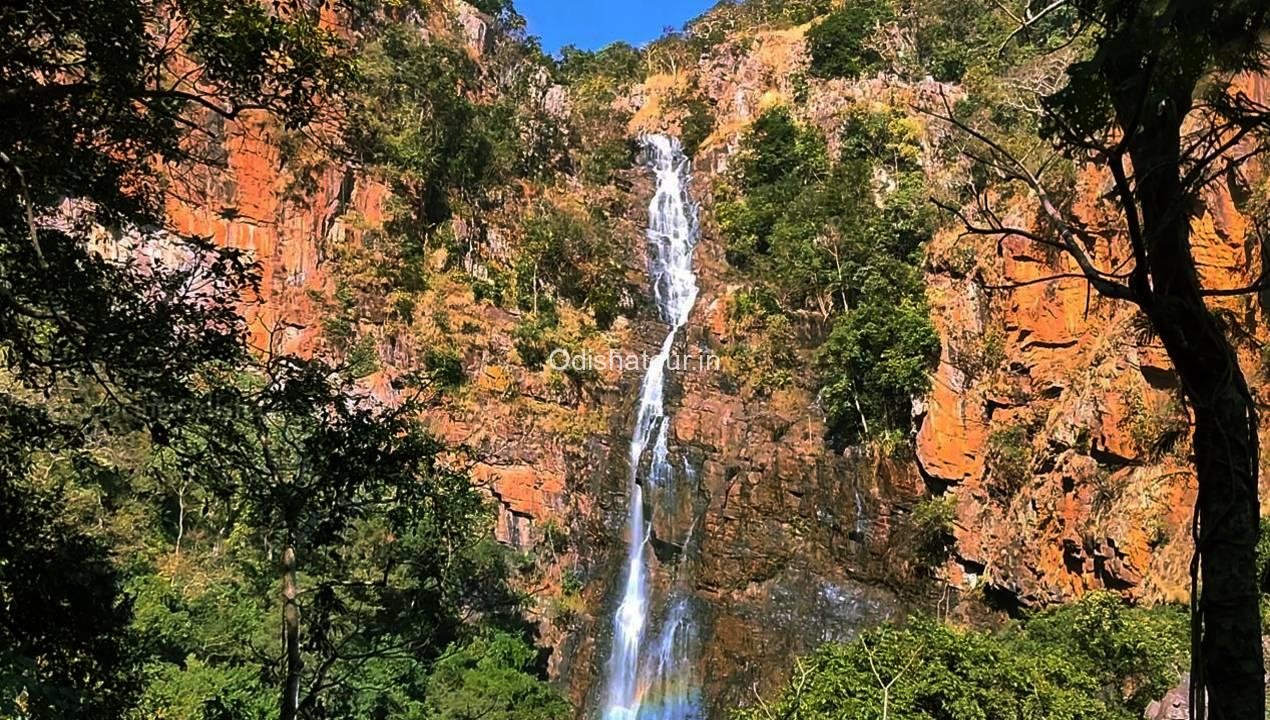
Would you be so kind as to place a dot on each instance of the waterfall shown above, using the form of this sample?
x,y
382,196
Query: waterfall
x,y
654,680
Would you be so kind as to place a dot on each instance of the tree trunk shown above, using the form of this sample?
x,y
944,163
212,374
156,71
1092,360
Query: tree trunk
x,y
1229,665
290,635
1225,445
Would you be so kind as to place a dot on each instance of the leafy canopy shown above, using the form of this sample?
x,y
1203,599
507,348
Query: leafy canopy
x,y
823,236
1094,659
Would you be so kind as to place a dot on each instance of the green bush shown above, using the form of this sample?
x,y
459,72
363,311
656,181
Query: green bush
x,y
532,339
933,520
1097,659
878,357
617,63
445,367
493,677
819,238
1156,425
569,256
762,343
1135,654
414,119
599,162
843,43
954,35
698,123
1009,460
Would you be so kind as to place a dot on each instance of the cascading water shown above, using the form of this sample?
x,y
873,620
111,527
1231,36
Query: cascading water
x,y
654,681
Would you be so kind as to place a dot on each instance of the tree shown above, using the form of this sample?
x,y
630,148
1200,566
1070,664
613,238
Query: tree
x,y
94,96
830,241
141,442
491,677
66,648
379,545
1096,659
840,45
1154,101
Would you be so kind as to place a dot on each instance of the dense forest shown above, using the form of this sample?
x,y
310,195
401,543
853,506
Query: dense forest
x,y
202,518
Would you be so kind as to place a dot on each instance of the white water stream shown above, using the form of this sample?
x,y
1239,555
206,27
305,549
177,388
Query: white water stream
x,y
654,680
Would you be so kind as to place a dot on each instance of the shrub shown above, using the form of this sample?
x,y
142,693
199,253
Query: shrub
x,y
763,342
614,64
555,537
777,149
1097,659
842,44
1135,654
932,520
954,35
571,256
532,339
876,360
445,367
599,162
495,676
1009,460
362,358
698,123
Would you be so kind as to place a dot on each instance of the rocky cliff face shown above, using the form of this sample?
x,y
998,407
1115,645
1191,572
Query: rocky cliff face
x,y
1056,419
1052,421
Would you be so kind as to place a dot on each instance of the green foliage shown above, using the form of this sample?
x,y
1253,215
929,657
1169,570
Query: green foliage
x,y
1134,654
1009,460
362,358
762,342
447,134
595,79
555,537
933,520
977,354
66,648
697,122
414,117
843,44
152,471
878,357
777,160
776,149
492,676
954,35
1263,566
617,63
1094,660
445,367
567,255
533,339
100,355
391,546
820,238
600,163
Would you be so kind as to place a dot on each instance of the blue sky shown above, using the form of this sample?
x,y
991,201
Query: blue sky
x,y
592,24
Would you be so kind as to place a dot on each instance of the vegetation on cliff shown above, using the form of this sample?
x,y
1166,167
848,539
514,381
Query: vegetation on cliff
x,y
1095,659
1022,103
820,241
